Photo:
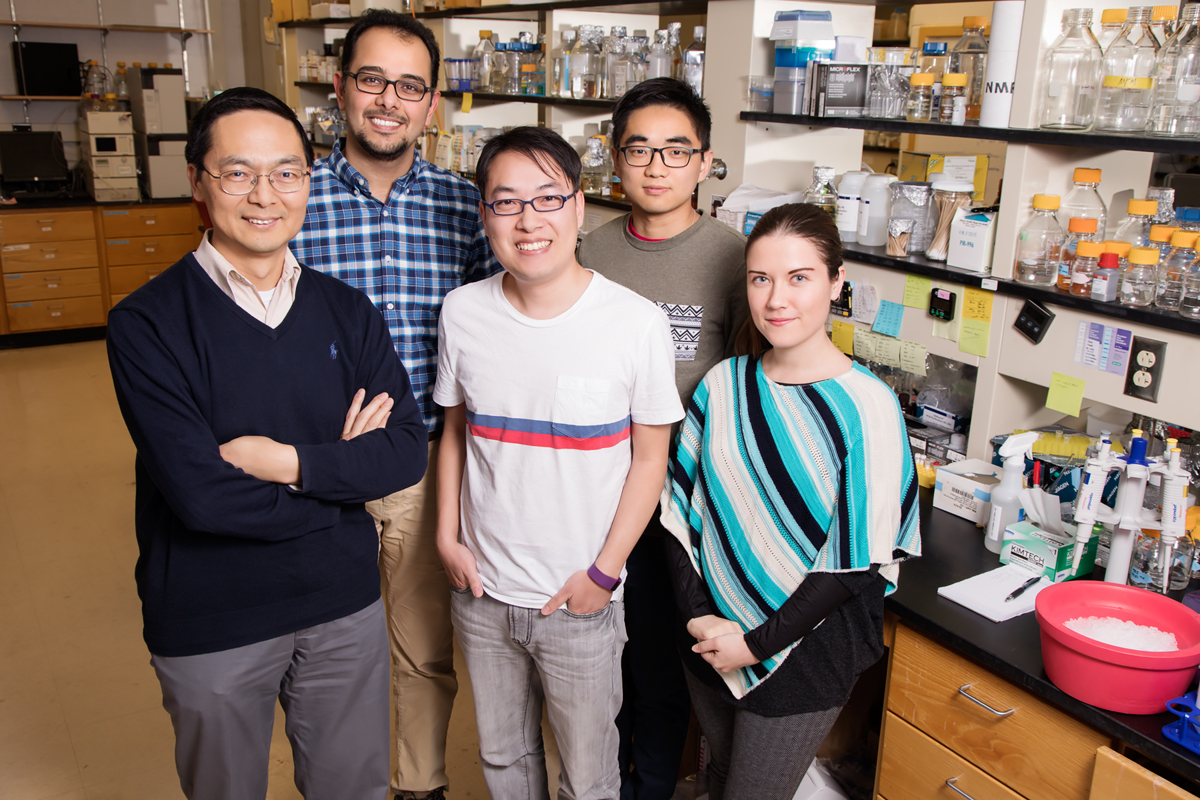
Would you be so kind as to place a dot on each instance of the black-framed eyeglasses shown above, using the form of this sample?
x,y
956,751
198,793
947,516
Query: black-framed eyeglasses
x,y
511,206
637,155
239,182
372,83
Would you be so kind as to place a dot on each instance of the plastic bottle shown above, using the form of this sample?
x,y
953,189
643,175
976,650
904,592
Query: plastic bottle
x,y
110,102
1084,199
822,193
969,56
1189,304
935,60
659,63
693,61
953,110
1006,497
585,65
1127,88
1146,564
1176,109
874,207
121,84
1139,281
920,97
1039,242
1160,237
1136,227
1079,230
617,72
1108,274
1083,268
95,82
1173,270
1111,22
1072,82
561,79
849,193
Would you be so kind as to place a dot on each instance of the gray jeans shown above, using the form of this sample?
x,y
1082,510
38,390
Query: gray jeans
x,y
755,757
517,659
332,681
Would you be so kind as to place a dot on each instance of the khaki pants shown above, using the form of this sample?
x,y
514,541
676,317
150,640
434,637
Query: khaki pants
x,y
417,595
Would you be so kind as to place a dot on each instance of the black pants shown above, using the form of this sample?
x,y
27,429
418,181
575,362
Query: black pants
x,y
653,720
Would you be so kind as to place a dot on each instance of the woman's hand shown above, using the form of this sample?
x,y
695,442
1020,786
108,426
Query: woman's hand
x,y
710,626
726,653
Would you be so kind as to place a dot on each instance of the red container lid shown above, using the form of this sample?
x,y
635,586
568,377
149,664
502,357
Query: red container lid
x,y
1109,261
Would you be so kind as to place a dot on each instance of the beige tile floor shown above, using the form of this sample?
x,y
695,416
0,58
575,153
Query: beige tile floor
x,y
80,709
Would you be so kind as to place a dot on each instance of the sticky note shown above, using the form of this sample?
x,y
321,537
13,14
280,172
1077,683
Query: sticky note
x,y
864,344
912,357
977,305
863,303
1066,394
973,337
946,329
887,351
843,336
467,99
889,318
916,291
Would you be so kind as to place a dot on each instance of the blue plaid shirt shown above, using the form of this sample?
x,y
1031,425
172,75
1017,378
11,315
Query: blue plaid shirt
x,y
406,254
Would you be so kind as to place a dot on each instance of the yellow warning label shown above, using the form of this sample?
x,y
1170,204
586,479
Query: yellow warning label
x,y
1121,82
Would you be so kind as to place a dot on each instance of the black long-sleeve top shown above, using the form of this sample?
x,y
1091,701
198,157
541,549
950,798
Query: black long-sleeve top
x,y
226,559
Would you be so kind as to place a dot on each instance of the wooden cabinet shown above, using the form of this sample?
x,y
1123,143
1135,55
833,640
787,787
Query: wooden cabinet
x,y
28,256
149,220
123,280
70,312
52,284
945,709
35,225
142,241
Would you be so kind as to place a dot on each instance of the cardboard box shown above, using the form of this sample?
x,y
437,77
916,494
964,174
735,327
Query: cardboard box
x,y
281,10
841,89
972,239
106,122
301,9
973,169
965,489
1047,553
330,10
936,418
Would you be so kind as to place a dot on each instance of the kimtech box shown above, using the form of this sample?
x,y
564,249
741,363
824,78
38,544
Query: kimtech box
x,y
1047,553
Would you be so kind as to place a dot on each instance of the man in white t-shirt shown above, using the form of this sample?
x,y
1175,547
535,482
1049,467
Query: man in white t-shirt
x,y
559,396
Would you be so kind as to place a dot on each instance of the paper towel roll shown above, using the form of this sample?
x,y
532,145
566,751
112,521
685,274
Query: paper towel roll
x,y
1001,71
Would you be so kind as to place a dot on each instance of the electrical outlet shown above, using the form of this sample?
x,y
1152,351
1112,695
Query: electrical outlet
x,y
1142,378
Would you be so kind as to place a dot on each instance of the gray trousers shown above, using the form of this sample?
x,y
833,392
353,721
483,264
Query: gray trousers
x,y
756,757
517,659
332,681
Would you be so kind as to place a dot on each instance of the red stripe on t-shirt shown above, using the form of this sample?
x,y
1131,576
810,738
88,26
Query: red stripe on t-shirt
x,y
550,441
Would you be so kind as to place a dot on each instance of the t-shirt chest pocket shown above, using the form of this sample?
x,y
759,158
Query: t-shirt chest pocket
x,y
581,406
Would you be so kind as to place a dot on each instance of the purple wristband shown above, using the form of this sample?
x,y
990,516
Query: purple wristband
x,y
602,580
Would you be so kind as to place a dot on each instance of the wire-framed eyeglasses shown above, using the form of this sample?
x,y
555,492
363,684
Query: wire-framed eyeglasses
x,y
241,181
373,83
511,206
637,155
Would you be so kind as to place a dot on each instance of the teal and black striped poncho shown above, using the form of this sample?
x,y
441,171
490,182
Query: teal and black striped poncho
x,y
770,482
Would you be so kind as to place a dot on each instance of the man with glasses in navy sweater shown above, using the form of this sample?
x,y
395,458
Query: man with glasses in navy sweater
x,y
234,370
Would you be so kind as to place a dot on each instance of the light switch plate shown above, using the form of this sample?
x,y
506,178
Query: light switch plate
x,y
1144,375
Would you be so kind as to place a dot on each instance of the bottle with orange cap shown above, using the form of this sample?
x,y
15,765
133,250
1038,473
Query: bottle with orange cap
x,y
1176,110
1079,229
1162,22
1084,199
1136,227
969,56
1039,243
1174,269
1127,86
1072,75
1160,237
1083,268
1139,281
1111,22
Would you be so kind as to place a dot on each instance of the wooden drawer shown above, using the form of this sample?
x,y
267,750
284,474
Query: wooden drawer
x,y
49,255
149,220
71,312
1037,750
149,249
51,284
116,298
123,280
47,226
915,767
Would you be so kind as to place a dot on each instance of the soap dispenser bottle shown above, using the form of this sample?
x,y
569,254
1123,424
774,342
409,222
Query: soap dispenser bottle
x,y
1006,497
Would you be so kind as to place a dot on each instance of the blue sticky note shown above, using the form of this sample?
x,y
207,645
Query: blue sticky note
x,y
888,320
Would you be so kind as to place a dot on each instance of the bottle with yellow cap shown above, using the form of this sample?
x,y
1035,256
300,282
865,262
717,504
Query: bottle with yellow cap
x,y
920,97
1160,237
1139,281
1127,88
1079,229
1136,227
1189,303
1111,22
1083,268
483,63
1084,200
1176,110
969,56
1173,270
953,108
1071,84
1039,243
1162,22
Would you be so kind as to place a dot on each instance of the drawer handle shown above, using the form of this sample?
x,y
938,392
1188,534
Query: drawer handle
x,y
59,278
146,216
951,783
49,249
53,306
963,691
45,222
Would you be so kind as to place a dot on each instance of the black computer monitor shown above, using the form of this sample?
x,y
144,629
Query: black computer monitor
x,y
32,156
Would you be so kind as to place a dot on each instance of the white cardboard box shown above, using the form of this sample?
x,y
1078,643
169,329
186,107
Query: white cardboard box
x,y
972,240
965,489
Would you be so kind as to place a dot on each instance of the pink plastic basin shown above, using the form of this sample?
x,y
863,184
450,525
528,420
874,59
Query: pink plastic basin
x,y
1109,677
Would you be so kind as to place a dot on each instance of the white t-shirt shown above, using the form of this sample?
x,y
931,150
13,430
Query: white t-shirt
x,y
549,405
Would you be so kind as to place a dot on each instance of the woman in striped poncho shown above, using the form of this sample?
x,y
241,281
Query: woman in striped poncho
x,y
792,498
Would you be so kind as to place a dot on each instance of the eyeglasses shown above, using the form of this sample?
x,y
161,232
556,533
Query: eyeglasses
x,y
511,206
370,83
239,182
673,157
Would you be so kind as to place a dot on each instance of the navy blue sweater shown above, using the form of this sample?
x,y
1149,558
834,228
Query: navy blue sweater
x,y
226,559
